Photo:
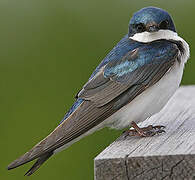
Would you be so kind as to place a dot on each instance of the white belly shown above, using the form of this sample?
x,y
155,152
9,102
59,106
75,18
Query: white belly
x,y
149,102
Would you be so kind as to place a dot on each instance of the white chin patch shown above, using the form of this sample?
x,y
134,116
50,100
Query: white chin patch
x,y
146,37
153,36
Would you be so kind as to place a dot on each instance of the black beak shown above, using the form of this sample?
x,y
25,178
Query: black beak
x,y
153,27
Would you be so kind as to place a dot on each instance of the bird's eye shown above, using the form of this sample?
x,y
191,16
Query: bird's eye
x,y
164,24
140,27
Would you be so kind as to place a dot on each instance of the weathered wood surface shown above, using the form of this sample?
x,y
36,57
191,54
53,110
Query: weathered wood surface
x,y
167,156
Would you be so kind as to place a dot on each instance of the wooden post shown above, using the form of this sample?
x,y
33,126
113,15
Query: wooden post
x,y
170,155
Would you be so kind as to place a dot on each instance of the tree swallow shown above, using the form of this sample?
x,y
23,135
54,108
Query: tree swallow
x,y
134,81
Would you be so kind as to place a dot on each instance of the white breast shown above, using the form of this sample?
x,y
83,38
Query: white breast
x,y
153,99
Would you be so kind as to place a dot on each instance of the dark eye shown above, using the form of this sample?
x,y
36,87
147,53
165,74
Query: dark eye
x,y
164,24
140,27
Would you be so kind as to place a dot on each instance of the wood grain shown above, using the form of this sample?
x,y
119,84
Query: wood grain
x,y
167,156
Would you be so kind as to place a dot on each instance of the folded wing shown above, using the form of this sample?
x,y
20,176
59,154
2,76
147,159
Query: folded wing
x,y
135,71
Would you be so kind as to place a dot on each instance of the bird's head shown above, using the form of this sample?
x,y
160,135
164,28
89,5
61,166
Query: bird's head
x,y
150,21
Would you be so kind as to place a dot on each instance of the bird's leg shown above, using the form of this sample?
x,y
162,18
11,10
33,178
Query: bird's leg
x,y
146,131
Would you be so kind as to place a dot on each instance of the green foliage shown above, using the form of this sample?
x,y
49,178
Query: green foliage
x,y
48,49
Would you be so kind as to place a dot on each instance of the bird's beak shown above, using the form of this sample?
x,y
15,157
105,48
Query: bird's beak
x,y
152,27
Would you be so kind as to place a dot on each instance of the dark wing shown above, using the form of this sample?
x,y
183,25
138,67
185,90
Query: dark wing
x,y
84,118
104,94
142,66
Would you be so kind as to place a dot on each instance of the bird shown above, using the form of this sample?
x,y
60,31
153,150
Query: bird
x,y
133,82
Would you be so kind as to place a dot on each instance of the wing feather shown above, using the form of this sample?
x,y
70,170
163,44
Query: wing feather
x,y
135,67
114,85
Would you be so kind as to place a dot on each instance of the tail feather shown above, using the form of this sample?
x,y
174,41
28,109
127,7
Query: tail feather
x,y
38,163
27,157
35,153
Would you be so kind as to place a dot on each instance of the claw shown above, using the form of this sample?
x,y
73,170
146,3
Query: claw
x,y
146,131
159,127
161,131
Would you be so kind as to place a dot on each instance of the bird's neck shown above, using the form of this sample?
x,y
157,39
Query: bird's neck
x,y
146,37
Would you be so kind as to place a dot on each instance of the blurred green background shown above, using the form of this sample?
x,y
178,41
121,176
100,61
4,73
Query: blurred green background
x,y
48,49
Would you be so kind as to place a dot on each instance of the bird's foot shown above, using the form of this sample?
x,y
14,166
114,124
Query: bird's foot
x,y
146,131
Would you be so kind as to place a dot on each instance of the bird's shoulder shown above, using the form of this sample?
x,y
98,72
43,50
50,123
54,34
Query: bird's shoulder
x,y
128,49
